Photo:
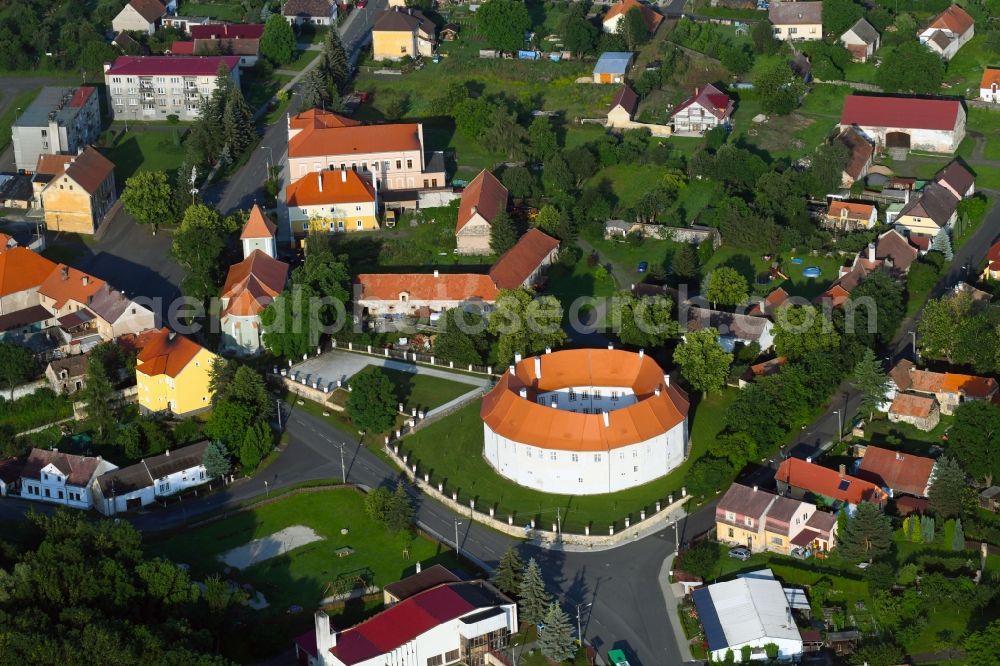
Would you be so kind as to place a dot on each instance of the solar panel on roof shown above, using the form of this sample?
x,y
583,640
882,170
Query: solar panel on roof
x,y
844,484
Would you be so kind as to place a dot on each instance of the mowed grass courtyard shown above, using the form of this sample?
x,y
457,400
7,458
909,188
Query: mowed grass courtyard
x,y
301,576
451,451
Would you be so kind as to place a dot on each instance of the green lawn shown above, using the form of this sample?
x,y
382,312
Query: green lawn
x,y
966,69
300,577
568,284
626,255
302,58
18,104
753,266
905,436
413,390
146,150
450,450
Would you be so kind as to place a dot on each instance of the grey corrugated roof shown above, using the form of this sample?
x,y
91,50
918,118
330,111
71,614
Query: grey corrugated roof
x,y
50,97
613,62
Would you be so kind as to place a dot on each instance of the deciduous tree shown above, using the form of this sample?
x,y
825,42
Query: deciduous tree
x,y
542,138
16,365
525,324
198,246
840,15
726,286
803,330
645,321
503,23
777,86
974,439
147,197
704,364
371,403
277,44
910,67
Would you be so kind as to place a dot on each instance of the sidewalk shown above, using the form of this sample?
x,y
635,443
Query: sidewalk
x,y
672,595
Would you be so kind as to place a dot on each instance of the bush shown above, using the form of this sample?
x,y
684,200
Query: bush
x,y
173,118
41,407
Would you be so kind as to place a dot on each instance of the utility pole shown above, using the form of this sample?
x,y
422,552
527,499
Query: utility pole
x,y
343,468
840,425
458,548
279,412
558,523
579,625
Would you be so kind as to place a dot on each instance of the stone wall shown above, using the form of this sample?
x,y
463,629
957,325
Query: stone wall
x,y
613,535
693,234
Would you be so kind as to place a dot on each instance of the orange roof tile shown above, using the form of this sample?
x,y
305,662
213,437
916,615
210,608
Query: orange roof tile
x,y
520,261
258,225
902,472
357,139
427,287
22,269
52,165
827,482
338,187
313,118
651,16
955,19
253,283
854,211
164,352
926,381
68,283
916,406
990,76
658,409
485,195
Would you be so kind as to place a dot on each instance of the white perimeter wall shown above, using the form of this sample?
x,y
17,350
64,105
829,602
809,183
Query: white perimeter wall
x,y
585,472
787,648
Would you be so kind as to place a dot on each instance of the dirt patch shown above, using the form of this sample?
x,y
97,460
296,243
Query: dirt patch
x,y
777,134
267,547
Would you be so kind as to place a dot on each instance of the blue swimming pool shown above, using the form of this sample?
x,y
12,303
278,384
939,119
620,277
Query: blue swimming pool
x,y
812,272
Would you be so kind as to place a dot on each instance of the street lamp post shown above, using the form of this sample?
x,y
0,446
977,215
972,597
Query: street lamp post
x,y
276,400
913,336
579,625
840,424
343,468
677,538
269,159
458,548
266,491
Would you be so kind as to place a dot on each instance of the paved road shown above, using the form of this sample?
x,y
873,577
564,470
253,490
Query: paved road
x,y
245,187
628,612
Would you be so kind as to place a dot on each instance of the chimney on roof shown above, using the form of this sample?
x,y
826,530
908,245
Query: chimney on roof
x,y
523,392
607,419
611,346
666,378
167,453
326,640
171,335
343,175
538,367
548,350
473,210
85,280
65,272
555,402
755,488
656,391
899,455
511,369
419,568
809,459
842,470
319,180
642,352
517,355
436,274
871,252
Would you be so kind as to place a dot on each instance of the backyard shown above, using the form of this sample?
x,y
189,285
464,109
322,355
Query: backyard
x,y
451,451
146,149
302,577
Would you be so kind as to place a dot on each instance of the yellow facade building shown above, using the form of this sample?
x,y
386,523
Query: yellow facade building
x,y
335,201
75,191
400,33
172,373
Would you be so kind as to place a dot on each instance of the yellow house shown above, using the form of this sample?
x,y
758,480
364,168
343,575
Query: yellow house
x,y
172,373
75,191
335,201
796,21
398,33
935,208
740,516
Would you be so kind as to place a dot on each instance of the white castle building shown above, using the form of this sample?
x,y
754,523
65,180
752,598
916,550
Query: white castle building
x,y
584,422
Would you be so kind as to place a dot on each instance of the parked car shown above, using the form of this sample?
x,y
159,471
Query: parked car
x,y
617,658
643,266
740,553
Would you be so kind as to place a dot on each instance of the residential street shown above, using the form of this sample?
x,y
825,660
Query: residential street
x,y
244,187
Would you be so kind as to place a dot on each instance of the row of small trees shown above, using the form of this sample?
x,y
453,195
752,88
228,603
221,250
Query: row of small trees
x,y
535,605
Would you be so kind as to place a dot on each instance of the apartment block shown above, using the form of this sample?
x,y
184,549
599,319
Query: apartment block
x,y
154,87
60,120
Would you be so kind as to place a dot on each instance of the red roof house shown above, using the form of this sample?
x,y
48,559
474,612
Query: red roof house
x,y
901,473
935,125
803,477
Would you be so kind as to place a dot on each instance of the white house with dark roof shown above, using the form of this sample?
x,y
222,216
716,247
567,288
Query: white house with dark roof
x,y
948,32
861,40
795,21
61,478
705,110
135,486
313,12
139,16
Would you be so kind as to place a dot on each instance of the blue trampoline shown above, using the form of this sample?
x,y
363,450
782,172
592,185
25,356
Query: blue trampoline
x,y
812,272
796,260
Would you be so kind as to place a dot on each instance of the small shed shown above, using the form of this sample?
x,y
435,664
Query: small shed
x,y
449,32
612,67
989,499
